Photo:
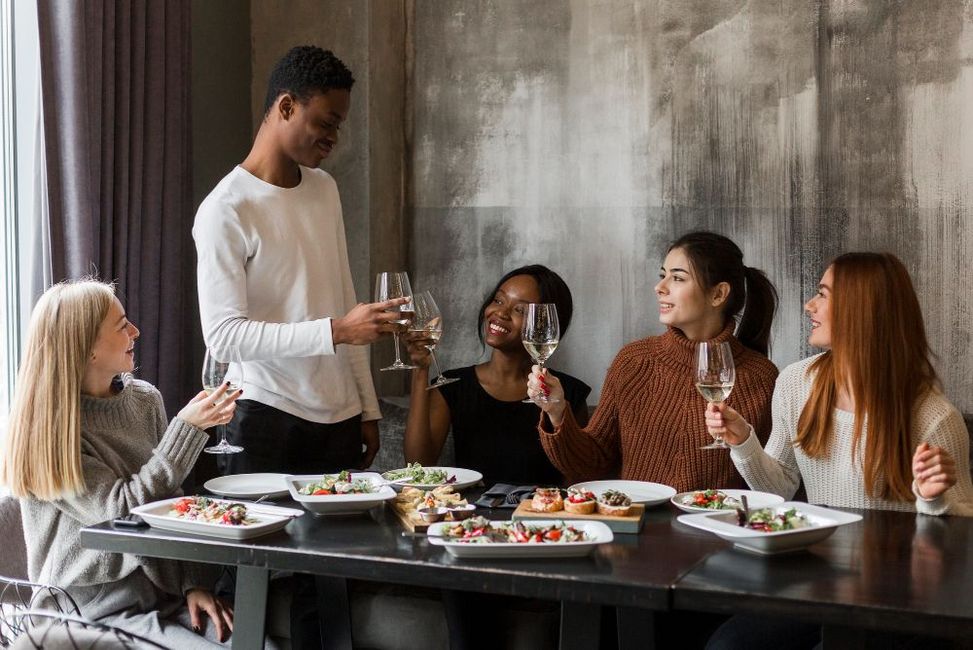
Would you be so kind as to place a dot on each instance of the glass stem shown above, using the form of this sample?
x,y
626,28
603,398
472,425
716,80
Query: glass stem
x,y
439,371
398,359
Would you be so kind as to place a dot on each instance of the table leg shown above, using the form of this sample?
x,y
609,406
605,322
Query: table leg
x,y
839,637
636,628
580,625
250,608
335,611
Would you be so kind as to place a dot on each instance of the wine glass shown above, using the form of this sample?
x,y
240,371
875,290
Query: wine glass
x,y
540,335
395,284
715,375
429,321
216,367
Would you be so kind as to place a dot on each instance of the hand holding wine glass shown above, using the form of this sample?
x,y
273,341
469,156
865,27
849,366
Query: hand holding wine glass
x,y
540,336
222,367
715,374
389,285
428,323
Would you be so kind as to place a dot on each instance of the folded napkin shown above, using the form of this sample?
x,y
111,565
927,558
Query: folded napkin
x,y
504,495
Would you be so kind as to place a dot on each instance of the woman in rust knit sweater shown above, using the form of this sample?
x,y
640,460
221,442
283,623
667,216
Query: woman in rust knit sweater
x,y
649,424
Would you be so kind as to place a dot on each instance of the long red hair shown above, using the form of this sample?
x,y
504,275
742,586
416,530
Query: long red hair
x,y
879,355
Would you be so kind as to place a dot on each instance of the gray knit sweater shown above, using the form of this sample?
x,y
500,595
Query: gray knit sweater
x,y
129,457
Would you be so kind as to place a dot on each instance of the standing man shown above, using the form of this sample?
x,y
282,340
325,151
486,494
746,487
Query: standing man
x,y
274,280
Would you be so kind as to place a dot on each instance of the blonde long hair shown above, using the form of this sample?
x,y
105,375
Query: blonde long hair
x,y
43,446
879,354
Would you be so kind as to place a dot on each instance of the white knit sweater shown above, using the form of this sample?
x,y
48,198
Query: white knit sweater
x,y
835,480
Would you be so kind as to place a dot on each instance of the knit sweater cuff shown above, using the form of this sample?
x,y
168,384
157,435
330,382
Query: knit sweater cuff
x,y
748,448
934,506
182,443
544,426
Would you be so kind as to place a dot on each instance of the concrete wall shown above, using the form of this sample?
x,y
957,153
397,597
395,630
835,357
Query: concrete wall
x,y
585,134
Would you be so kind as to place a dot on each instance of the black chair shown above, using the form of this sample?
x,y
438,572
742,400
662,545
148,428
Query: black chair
x,y
18,596
50,629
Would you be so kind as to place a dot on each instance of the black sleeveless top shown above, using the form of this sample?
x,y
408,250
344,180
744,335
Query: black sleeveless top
x,y
500,439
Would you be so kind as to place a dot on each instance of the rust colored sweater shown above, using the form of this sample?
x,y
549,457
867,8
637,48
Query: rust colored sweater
x,y
649,423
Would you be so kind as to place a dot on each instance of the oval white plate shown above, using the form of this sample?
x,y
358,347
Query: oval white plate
x,y
597,531
464,479
248,486
650,494
823,522
754,500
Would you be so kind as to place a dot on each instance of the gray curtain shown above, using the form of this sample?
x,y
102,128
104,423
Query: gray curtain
x,y
115,79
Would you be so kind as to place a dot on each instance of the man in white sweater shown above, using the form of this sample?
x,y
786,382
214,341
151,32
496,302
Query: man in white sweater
x,y
274,280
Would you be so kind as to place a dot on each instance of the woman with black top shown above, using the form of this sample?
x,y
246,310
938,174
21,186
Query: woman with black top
x,y
494,432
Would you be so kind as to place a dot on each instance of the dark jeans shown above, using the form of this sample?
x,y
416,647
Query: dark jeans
x,y
275,441
757,632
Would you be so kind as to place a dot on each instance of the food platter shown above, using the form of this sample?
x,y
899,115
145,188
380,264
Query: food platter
x,y
268,520
644,492
823,522
339,504
464,478
248,486
755,499
597,532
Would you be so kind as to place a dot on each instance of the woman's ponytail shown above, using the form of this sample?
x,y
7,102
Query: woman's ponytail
x,y
758,313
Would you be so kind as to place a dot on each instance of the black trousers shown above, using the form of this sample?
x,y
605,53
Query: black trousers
x,y
275,441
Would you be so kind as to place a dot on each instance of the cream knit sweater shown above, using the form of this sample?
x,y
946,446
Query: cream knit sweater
x,y
835,480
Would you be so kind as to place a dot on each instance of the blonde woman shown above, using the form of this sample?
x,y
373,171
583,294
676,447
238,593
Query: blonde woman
x,y
87,442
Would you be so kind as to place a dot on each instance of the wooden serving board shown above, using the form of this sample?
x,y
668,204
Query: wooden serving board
x,y
410,524
631,523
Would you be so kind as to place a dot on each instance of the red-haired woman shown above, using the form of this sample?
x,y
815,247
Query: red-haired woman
x,y
863,423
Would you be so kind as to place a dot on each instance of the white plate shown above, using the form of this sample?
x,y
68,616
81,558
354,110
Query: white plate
x,y
824,522
596,530
269,519
464,479
651,494
339,504
248,486
754,500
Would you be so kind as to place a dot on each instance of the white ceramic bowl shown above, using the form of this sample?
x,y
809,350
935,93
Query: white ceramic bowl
x,y
339,504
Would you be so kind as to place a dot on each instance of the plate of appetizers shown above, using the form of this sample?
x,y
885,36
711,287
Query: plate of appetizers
x,y
248,486
413,506
644,492
789,526
478,537
427,478
615,509
726,499
215,517
339,494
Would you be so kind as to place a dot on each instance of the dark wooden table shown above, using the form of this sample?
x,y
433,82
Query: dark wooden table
x,y
892,571
635,573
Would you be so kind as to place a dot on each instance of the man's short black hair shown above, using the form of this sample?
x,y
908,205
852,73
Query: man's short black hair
x,y
306,70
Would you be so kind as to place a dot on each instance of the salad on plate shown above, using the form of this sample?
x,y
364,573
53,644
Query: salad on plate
x,y
211,511
769,521
417,474
342,483
711,500
479,530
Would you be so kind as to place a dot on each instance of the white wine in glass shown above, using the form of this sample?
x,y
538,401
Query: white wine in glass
x,y
540,335
216,366
395,284
715,374
429,322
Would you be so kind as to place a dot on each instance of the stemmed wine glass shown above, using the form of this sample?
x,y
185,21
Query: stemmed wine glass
x,y
216,366
715,375
540,335
395,284
429,321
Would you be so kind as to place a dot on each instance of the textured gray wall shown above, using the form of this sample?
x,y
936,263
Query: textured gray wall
x,y
586,134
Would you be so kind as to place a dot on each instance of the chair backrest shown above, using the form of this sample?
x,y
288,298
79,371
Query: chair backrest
x,y
13,560
18,596
45,629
